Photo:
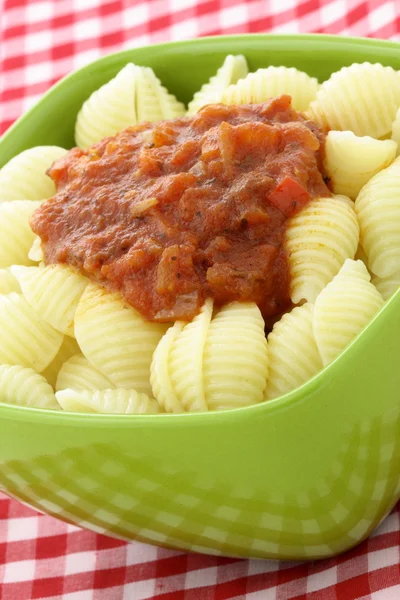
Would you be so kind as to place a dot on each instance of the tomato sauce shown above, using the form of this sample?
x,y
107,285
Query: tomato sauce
x,y
173,212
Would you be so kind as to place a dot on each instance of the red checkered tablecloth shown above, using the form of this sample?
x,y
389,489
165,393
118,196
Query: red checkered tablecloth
x,y
40,557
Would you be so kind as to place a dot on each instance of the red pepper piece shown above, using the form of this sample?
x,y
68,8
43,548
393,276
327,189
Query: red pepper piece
x,y
289,196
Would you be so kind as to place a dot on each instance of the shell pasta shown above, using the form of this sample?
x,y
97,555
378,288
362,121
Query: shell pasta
x,y
292,352
396,130
16,236
235,357
134,95
115,338
68,348
256,242
271,82
27,340
351,161
318,241
153,102
25,387
107,401
378,212
109,109
35,254
8,283
53,292
160,377
362,98
76,373
387,286
215,362
343,309
233,69
25,178
186,361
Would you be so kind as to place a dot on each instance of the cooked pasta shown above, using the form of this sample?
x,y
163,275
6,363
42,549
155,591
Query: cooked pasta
x,y
107,401
343,308
53,292
360,255
69,347
147,105
235,361
16,236
24,176
212,363
232,69
78,374
271,82
26,339
115,338
153,101
362,98
160,377
292,352
22,386
378,211
387,286
318,241
135,94
396,130
124,363
351,161
109,109
8,283
185,361
35,254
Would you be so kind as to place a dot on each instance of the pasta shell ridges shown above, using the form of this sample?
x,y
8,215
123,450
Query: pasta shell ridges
x,y
160,103
26,339
77,373
24,176
343,309
387,286
109,109
235,357
116,401
24,387
116,339
160,377
351,161
362,98
16,236
318,241
185,363
293,354
232,69
271,82
53,292
68,348
378,211
8,283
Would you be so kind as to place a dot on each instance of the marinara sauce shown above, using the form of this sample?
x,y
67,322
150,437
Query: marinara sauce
x,y
174,212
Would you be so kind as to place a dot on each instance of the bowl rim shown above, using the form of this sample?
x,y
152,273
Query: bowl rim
x,y
32,414
330,39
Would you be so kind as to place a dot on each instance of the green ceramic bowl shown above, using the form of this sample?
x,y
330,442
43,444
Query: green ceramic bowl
x,y
305,476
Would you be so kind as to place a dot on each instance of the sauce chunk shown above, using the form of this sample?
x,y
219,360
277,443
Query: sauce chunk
x,y
173,212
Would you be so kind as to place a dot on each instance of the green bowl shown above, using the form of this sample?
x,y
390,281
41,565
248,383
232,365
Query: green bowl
x,y
305,476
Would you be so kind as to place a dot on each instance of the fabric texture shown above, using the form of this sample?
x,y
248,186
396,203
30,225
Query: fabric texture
x,y
41,557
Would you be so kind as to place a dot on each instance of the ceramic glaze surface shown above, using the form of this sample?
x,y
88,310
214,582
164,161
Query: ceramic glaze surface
x,y
305,476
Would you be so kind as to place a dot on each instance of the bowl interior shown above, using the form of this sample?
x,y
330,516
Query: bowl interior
x,y
183,67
